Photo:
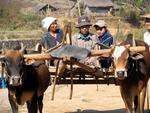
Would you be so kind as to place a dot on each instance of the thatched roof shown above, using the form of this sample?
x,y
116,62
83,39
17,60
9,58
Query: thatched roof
x,y
60,4
38,7
98,3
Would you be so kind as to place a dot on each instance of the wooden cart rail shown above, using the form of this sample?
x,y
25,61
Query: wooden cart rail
x,y
81,76
110,80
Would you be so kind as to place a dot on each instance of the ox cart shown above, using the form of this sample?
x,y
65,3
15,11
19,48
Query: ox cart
x,y
78,72
69,68
74,71
84,74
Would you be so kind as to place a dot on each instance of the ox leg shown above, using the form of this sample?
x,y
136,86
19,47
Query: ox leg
x,y
147,95
14,105
141,100
128,101
40,103
32,105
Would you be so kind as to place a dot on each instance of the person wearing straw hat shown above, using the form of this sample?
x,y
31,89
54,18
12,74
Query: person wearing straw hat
x,y
53,36
105,40
147,35
85,39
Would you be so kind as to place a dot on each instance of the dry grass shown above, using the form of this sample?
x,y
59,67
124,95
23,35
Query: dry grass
x,y
118,28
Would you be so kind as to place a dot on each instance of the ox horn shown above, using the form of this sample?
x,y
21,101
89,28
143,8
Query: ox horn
x,y
3,48
131,37
43,56
23,48
137,49
133,41
102,52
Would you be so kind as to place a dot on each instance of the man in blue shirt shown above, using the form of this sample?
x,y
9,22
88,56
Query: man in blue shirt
x,y
105,40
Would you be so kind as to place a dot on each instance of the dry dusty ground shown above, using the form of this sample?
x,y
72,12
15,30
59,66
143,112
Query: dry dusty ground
x,y
86,99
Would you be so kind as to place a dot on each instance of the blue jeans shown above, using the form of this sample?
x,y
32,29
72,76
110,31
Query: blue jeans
x,y
2,83
105,63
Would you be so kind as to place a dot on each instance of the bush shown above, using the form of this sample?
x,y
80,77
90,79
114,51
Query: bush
x,y
131,15
11,17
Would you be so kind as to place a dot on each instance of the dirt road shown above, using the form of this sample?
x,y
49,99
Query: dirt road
x,y
86,99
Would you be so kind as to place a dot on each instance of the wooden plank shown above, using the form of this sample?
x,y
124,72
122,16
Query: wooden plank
x,y
99,53
88,81
137,49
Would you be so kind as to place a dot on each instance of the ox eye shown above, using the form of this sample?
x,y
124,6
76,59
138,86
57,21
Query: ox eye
x,y
21,61
7,63
112,58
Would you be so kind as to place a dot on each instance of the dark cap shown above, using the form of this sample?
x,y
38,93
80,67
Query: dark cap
x,y
83,21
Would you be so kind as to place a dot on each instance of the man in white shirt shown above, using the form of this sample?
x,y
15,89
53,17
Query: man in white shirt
x,y
147,35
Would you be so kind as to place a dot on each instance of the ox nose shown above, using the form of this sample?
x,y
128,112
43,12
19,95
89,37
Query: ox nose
x,y
120,74
15,81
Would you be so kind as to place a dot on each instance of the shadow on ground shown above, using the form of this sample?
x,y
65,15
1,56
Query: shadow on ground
x,y
107,111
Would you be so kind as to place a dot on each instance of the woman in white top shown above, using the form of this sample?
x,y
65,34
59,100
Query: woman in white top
x,y
147,36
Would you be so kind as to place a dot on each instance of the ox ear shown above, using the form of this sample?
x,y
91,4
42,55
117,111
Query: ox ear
x,y
23,48
29,61
2,57
137,56
135,52
112,46
127,46
3,48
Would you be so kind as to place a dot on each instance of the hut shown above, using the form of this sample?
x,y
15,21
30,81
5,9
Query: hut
x,y
95,7
102,7
40,8
62,7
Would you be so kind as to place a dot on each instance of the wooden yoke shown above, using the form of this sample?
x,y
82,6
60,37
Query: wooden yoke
x,y
137,49
94,53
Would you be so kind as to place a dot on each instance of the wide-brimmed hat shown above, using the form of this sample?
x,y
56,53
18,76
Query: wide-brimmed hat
x,y
83,21
47,21
100,23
